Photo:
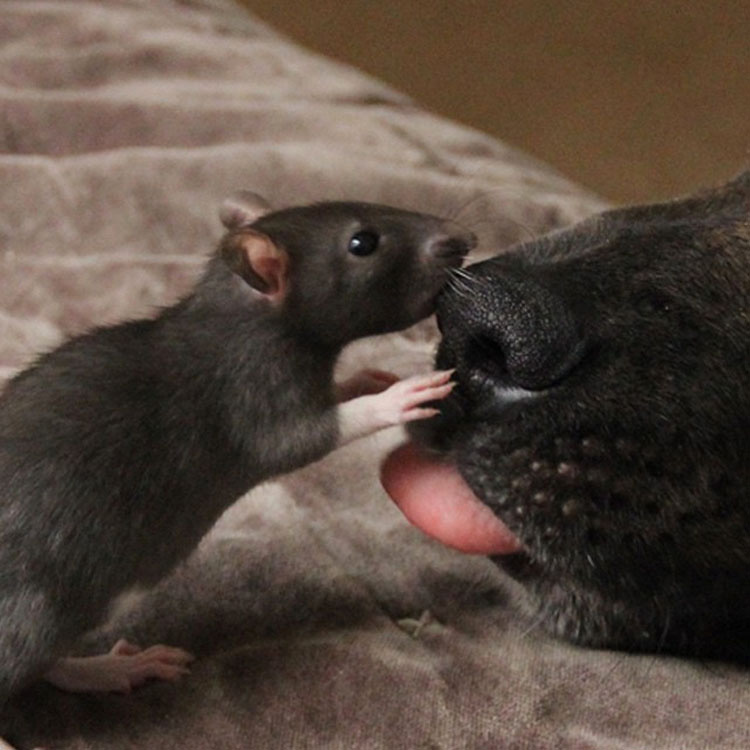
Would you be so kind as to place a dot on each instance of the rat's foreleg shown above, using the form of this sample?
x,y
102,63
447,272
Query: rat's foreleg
x,y
125,667
397,404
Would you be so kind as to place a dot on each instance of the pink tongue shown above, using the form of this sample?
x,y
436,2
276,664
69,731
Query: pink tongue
x,y
434,497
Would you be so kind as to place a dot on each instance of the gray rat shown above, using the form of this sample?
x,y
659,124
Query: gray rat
x,y
121,448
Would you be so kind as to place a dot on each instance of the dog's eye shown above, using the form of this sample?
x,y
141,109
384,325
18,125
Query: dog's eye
x,y
363,243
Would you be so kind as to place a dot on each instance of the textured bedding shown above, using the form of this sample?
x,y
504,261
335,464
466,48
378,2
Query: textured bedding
x,y
319,617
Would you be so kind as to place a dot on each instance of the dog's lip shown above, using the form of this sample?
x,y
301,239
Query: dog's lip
x,y
497,396
478,391
433,496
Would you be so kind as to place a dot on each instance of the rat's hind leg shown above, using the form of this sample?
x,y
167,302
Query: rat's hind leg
x,y
29,633
126,666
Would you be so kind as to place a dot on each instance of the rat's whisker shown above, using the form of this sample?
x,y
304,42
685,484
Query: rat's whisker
x,y
459,286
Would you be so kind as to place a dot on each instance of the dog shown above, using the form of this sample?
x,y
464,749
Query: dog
x,y
602,413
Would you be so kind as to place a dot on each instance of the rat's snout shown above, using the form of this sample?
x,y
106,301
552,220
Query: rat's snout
x,y
452,245
503,327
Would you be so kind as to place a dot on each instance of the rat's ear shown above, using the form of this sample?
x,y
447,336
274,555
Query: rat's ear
x,y
242,209
259,262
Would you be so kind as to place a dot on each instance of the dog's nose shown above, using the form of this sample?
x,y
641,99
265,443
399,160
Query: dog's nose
x,y
498,320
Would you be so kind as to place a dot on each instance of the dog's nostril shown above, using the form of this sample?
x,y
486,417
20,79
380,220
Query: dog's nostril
x,y
483,353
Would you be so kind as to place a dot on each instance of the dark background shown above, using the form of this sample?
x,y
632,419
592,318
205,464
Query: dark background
x,y
636,100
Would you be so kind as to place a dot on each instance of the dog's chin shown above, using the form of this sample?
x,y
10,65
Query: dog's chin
x,y
429,489
425,480
562,517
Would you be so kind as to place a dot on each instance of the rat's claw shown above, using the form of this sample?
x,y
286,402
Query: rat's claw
x,y
414,414
406,400
439,377
424,395
422,389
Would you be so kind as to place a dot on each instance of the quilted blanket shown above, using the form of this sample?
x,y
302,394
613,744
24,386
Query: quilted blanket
x,y
319,617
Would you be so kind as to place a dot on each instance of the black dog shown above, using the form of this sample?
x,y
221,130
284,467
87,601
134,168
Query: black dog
x,y
602,413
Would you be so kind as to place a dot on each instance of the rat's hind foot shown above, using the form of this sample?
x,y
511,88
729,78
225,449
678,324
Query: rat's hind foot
x,y
126,666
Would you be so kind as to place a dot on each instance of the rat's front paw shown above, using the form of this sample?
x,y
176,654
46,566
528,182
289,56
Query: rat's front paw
x,y
364,382
402,402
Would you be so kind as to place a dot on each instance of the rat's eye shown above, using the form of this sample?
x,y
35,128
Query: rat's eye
x,y
363,243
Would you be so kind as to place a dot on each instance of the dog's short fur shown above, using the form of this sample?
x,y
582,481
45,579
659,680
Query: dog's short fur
x,y
602,413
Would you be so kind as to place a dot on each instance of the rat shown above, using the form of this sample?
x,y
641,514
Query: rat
x,y
122,447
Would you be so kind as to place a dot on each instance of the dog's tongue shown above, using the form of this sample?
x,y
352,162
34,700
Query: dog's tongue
x,y
435,498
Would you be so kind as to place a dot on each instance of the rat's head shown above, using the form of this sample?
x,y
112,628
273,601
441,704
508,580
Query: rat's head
x,y
602,414
342,270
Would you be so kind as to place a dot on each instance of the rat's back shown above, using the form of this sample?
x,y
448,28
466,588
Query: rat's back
x,y
71,429
88,474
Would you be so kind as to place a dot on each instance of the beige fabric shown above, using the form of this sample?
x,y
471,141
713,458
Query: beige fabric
x,y
124,124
